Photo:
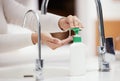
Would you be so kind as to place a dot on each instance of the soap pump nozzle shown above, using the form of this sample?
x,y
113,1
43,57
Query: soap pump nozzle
x,y
76,30
76,37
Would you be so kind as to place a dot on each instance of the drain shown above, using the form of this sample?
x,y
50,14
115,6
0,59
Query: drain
x,y
28,76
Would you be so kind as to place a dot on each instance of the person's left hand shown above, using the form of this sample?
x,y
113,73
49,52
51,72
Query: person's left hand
x,y
69,22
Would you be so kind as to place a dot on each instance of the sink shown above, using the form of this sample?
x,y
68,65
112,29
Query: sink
x,y
28,71
50,70
56,68
18,71
61,72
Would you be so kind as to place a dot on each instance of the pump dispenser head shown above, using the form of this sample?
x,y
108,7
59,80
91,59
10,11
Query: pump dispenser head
x,y
76,37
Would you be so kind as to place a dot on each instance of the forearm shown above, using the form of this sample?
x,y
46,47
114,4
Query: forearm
x,y
15,12
9,42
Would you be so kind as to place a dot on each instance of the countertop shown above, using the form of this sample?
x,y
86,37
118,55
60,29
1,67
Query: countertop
x,y
93,75
55,67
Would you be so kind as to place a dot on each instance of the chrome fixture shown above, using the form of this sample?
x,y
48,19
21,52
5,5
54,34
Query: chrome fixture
x,y
44,6
103,64
39,30
39,61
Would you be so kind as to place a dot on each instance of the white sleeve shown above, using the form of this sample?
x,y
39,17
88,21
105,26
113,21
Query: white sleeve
x,y
9,42
14,13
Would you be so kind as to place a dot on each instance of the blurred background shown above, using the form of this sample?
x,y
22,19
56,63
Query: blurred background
x,y
86,11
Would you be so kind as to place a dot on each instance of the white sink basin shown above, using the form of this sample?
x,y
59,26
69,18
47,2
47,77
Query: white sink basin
x,y
57,73
56,69
28,71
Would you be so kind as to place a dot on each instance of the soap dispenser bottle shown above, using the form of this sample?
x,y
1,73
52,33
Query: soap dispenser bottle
x,y
77,55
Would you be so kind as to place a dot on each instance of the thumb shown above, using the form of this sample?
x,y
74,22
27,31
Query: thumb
x,y
67,40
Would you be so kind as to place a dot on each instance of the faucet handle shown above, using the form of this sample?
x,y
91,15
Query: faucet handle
x,y
39,70
110,52
104,67
39,64
101,49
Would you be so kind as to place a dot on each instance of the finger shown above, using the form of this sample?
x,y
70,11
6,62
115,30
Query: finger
x,y
67,40
77,22
70,20
52,45
54,40
63,23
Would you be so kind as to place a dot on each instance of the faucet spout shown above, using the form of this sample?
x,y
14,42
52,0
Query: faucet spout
x,y
43,11
44,6
101,23
39,29
103,64
39,61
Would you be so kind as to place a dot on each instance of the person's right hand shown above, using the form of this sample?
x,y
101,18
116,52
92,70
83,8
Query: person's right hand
x,y
50,41
54,43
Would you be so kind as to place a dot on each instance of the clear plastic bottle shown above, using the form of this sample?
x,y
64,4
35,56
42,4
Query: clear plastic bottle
x,y
77,55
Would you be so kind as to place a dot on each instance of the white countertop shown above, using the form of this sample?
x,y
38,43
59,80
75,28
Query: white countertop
x,y
55,67
60,73
93,75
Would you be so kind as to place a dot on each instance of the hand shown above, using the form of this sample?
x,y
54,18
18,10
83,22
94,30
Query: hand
x,y
69,22
50,41
54,43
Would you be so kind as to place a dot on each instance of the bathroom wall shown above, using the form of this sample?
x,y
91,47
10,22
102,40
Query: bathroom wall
x,y
86,10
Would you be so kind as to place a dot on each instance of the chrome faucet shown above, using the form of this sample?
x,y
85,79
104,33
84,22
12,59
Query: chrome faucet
x,y
44,6
39,61
39,29
103,64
